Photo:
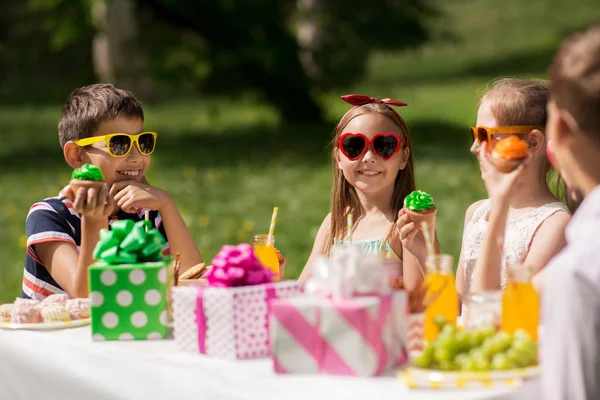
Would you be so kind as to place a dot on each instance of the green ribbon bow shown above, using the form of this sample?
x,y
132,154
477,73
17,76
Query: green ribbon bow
x,y
129,242
88,172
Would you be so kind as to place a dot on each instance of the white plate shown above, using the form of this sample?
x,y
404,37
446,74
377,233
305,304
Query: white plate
x,y
46,326
432,379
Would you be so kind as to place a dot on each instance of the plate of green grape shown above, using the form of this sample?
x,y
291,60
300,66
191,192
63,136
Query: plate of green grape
x,y
483,357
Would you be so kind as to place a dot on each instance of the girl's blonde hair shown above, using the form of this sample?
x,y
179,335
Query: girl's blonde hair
x,y
344,198
517,102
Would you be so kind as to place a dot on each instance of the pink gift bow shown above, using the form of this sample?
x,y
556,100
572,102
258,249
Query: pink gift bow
x,y
233,266
237,266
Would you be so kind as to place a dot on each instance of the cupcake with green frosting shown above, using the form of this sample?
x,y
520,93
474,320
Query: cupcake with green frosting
x,y
88,176
419,207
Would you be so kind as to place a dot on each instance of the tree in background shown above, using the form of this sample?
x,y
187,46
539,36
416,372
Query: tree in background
x,y
338,36
285,51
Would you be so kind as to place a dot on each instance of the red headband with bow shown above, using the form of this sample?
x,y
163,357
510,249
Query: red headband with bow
x,y
361,100
358,100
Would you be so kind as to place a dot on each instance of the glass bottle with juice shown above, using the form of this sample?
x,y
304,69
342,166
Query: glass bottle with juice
x,y
441,293
393,267
520,302
264,248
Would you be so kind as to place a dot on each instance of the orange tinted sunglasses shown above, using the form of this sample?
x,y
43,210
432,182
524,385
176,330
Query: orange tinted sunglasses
x,y
482,133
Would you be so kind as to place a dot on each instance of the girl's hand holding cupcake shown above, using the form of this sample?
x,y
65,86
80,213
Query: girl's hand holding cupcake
x,y
411,236
499,183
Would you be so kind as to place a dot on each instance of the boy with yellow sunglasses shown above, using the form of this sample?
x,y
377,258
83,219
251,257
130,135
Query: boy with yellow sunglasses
x,y
103,126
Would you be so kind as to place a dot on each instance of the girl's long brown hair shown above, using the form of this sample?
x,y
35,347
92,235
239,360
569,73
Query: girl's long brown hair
x,y
523,102
344,199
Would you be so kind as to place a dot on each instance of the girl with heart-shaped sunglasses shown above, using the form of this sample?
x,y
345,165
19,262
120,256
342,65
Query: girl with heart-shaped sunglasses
x,y
355,145
373,173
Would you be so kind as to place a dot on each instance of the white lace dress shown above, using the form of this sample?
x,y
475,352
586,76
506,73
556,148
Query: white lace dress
x,y
517,238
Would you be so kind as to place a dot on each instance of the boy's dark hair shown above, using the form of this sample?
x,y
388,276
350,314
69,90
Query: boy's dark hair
x,y
575,79
87,107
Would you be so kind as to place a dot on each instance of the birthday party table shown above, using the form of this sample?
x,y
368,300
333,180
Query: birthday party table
x,y
67,364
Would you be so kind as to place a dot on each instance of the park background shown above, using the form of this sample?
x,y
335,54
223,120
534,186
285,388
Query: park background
x,y
245,97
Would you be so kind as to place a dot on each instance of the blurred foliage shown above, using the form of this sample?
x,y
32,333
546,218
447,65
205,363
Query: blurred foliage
x,y
45,49
347,32
221,46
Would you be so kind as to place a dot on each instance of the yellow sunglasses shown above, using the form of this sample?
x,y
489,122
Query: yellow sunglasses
x,y
482,133
120,144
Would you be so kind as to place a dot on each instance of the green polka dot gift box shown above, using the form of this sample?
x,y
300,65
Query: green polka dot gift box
x,y
128,284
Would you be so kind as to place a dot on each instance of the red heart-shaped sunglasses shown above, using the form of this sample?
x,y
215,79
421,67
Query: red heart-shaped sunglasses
x,y
355,145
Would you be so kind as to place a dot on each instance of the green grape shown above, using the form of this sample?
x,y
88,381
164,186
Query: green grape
x,y
448,366
502,341
422,360
425,359
487,331
461,358
481,361
468,365
429,349
500,362
471,340
479,337
515,359
526,349
448,330
448,342
463,342
532,357
439,321
521,334
489,348
482,364
443,354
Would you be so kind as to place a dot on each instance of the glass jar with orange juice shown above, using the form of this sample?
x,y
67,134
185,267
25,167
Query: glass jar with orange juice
x,y
441,297
264,248
520,302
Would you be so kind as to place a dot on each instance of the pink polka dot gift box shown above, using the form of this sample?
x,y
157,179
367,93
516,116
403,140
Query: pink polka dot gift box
x,y
229,317
128,284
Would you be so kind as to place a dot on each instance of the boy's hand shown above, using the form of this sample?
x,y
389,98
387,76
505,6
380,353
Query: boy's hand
x,y
91,203
411,235
131,194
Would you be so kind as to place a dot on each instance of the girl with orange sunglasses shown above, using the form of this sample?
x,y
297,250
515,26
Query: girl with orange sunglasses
x,y
522,221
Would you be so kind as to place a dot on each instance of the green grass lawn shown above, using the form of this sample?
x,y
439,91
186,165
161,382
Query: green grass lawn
x,y
227,162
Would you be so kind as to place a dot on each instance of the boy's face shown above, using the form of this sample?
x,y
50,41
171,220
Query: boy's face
x,y
557,148
133,166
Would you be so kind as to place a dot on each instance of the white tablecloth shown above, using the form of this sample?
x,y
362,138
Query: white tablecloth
x,y
66,364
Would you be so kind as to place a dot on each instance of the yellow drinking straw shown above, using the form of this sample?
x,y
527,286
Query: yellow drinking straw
x,y
349,228
272,227
428,243
147,217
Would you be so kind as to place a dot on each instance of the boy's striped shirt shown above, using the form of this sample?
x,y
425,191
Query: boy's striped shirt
x,y
55,220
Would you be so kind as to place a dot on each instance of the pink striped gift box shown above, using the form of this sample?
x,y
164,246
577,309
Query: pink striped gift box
x,y
229,322
360,336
